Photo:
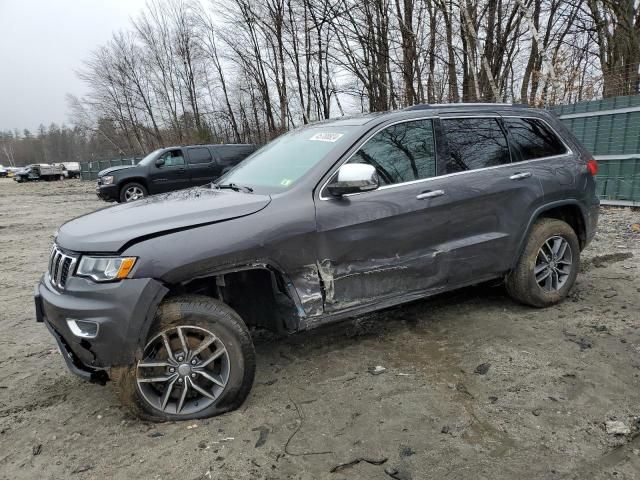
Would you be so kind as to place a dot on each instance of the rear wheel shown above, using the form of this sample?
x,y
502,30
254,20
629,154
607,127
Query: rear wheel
x,y
132,191
548,266
198,362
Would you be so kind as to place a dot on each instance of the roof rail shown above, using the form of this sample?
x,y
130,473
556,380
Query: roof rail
x,y
420,106
427,106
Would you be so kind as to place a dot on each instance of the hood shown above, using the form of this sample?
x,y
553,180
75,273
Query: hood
x,y
109,170
110,229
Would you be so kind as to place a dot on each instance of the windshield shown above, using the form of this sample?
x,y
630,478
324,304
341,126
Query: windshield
x,y
279,164
148,160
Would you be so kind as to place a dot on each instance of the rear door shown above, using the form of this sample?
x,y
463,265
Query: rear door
x,y
203,167
172,175
541,152
490,196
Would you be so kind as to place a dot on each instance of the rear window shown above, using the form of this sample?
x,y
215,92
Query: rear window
x,y
534,138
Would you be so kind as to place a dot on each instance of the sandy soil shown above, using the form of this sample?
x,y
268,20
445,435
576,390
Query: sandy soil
x,y
555,377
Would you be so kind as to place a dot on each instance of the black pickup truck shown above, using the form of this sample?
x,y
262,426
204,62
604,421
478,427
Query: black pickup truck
x,y
168,169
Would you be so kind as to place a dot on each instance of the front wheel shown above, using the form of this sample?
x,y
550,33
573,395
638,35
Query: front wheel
x,y
132,191
198,362
548,266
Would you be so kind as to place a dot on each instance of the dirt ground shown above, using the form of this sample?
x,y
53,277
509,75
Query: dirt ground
x,y
555,376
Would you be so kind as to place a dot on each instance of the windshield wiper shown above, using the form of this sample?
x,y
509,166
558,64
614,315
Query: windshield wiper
x,y
233,186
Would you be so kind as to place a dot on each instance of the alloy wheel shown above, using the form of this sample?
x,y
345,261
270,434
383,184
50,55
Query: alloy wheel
x,y
553,264
184,370
133,193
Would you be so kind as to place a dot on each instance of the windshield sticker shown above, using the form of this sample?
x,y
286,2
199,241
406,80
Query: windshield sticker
x,y
285,182
327,137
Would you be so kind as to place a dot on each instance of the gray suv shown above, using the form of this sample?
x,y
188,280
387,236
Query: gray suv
x,y
328,221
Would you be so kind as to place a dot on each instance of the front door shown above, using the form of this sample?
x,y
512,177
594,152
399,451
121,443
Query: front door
x,y
171,175
377,246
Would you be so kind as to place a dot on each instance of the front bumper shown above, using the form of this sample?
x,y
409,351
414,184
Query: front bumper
x,y
123,310
108,193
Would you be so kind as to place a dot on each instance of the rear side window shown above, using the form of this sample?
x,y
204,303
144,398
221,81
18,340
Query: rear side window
x,y
475,143
400,153
534,138
232,154
199,155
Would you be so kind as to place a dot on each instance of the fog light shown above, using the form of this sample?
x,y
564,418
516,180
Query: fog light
x,y
83,328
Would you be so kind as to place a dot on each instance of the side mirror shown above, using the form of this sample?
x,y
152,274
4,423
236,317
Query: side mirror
x,y
354,178
159,162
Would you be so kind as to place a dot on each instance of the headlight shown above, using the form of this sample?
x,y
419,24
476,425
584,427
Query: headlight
x,y
104,269
107,180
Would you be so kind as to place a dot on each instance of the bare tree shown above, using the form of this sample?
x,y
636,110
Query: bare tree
x,y
243,70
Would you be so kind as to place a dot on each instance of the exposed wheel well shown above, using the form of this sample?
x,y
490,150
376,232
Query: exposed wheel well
x,y
573,216
259,295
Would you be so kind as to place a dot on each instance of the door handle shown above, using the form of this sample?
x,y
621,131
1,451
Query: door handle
x,y
430,194
520,176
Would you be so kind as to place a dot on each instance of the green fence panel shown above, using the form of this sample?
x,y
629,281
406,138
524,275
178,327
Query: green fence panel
x,y
609,135
599,105
89,170
619,180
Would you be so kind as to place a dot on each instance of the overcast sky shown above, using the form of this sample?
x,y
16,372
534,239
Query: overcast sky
x,y
42,43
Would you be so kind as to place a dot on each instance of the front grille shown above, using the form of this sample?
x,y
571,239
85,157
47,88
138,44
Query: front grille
x,y
61,265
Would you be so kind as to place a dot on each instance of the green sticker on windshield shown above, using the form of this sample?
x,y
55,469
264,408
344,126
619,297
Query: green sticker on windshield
x,y
285,182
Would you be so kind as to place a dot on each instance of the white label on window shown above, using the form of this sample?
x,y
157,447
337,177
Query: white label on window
x,y
326,137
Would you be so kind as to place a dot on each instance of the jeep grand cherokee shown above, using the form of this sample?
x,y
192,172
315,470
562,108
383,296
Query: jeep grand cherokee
x,y
326,222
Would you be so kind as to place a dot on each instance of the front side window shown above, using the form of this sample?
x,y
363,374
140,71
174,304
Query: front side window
x,y
173,158
474,143
534,138
149,159
400,153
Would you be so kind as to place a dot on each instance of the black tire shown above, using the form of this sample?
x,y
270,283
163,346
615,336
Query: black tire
x,y
218,319
521,282
128,187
